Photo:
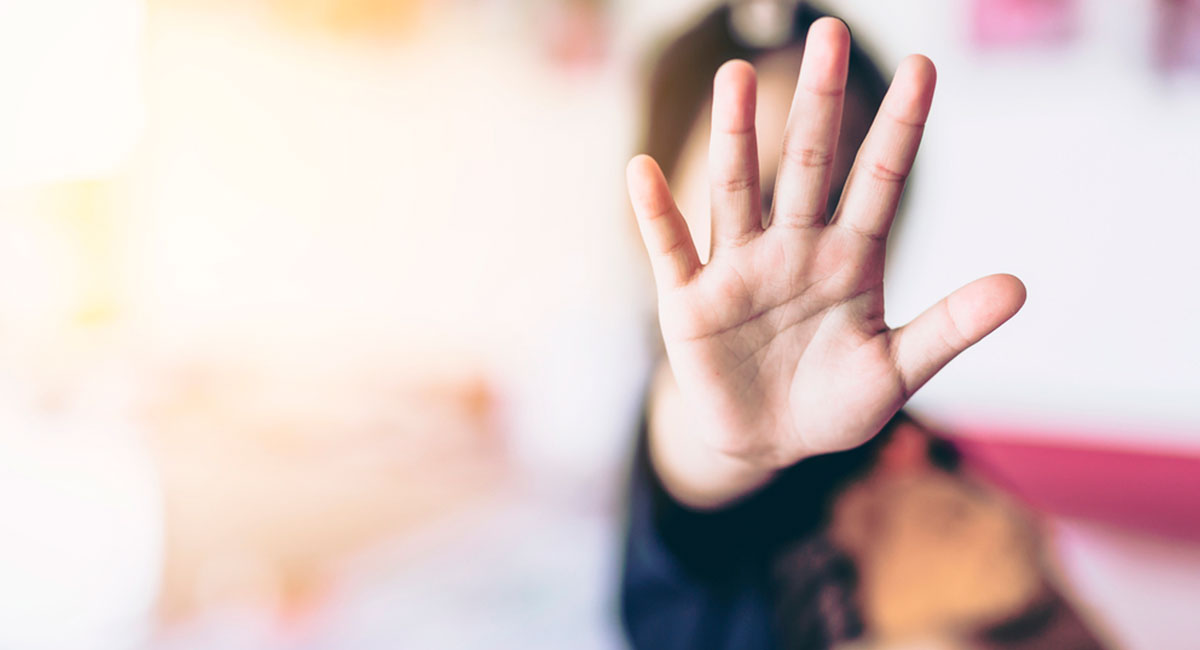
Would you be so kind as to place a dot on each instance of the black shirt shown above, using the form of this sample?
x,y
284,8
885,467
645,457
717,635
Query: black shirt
x,y
756,575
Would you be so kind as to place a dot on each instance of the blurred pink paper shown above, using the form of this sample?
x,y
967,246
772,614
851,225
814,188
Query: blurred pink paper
x,y
1178,39
1022,22
577,33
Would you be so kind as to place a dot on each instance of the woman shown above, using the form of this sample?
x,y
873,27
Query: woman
x,y
780,371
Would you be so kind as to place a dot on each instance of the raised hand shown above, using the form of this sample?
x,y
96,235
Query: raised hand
x,y
778,343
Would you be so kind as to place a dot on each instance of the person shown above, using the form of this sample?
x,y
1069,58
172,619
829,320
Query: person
x,y
780,372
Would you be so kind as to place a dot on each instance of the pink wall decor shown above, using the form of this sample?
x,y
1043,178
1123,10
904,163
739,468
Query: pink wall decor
x,y
1023,22
1177,43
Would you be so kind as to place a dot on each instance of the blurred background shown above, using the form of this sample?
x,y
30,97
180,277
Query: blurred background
x,y
323,323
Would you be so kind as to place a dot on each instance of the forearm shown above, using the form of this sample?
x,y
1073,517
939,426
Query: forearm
x,y
694,474
694,579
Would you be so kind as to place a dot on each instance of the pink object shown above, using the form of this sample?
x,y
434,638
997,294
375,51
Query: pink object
x,y
577,33
1178,38
1018,22
1148,491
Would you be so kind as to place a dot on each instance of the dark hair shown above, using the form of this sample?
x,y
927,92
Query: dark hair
x,y
680,83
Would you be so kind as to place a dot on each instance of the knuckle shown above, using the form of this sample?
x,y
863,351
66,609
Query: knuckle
x,y
869,235
832,91
885,173
952,334
800,219
735,183
671,248
808,157
660,215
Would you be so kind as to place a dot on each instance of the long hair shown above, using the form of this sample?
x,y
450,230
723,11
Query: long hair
x,y
680,79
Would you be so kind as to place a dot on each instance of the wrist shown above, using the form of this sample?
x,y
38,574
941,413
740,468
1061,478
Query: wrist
x,y
694,473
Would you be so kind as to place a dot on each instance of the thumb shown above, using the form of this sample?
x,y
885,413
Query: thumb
x,y
925,345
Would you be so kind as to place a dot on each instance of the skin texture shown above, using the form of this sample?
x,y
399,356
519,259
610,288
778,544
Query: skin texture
x,y
777,344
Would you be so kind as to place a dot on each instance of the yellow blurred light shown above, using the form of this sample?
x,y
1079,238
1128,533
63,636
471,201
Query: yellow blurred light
x,y
348,17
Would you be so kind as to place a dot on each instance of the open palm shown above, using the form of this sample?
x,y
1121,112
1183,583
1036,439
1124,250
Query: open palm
x,y
778,343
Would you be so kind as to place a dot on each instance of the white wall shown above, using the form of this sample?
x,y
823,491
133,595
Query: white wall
x,y
1071,167
1075,168
69,74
